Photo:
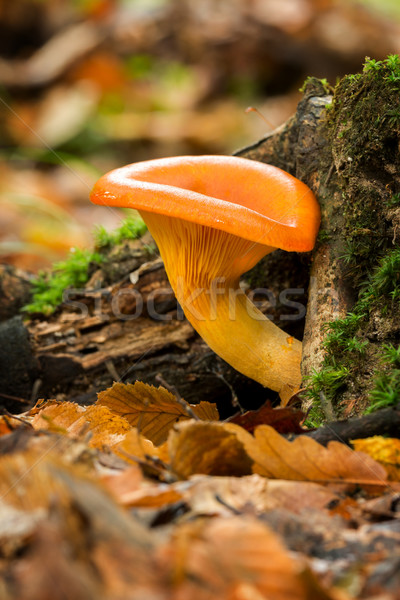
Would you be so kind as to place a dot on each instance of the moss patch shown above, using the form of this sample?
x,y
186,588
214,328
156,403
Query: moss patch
x,y
74,272
363,127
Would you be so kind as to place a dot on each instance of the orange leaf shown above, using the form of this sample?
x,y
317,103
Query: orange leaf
x,y
384,450
106,428
57,416
135,445
8,424
305,459
129,489
153,410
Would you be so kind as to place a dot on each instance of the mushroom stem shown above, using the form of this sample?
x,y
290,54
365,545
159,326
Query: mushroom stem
x,y
203,267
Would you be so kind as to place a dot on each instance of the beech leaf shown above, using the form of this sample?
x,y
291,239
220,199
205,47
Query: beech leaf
x,y
106,428
152,410
305,459
208,448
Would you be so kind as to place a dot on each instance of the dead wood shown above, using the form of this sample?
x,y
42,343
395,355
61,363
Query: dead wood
x,y
385,422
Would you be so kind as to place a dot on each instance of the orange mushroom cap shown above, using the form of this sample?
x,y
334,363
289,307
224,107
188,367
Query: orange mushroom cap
x,y
258,202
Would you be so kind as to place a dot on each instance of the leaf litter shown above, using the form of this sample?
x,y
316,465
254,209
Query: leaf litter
x,y
142,496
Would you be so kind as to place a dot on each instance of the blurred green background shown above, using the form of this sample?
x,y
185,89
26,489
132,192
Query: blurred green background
x,y
88,85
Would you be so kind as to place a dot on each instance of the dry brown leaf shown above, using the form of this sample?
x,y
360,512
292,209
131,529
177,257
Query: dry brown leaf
x,y
252,494
305,459
207,495
284,420
130,490
106,428
135,445
208,448
57,416
27,479
40,405
153,410
123,482
233,558
92,540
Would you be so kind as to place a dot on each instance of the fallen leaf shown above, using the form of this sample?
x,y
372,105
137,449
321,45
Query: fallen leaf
x,y
128,492
152,410
134,445
106,428
384,450
40,405
208,448
8,424
387,505
57,416
126,481
305,459
252,494
234,558
283,420
83,541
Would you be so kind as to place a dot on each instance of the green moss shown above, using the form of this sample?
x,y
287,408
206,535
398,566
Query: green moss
x,y
315,83
364,136
48,288
130,229
323,236
386,390
74,272
359,117
347,343
394,200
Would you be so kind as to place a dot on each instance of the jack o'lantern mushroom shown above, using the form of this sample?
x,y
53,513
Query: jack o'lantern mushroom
x,y
213,218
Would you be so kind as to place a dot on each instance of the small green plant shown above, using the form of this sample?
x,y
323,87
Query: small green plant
x,y
315,417
393,64
386,391
323,384
324,236
48,288
393,116
130,229
323,82
372,65
394,200
341,336
386,278
329,380
391,355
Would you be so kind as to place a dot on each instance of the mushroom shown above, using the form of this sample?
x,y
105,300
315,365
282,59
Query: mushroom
x,y
213,218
